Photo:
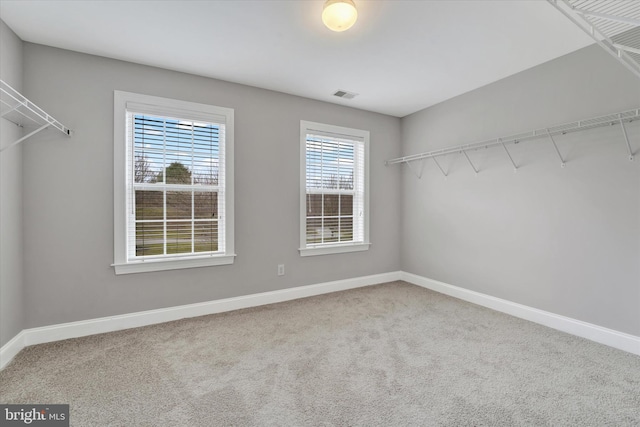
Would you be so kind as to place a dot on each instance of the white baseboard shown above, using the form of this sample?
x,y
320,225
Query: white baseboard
x,y
115,323
27,337
10,349
610,337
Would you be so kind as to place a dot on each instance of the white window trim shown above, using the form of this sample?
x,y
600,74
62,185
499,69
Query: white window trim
x,y
194,110
339,247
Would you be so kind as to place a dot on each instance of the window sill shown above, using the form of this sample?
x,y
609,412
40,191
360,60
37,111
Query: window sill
x,y
172,264
334,249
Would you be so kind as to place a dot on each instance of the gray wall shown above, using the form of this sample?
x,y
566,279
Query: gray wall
x,y
11,265
68,192
562,240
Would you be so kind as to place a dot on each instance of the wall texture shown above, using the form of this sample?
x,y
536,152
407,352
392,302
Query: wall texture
x,y
68,192
565,240
11,265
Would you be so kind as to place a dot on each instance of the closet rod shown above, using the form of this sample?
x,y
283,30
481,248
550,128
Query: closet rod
x,y
547,133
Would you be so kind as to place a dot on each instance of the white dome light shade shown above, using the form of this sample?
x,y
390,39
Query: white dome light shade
x,y
339,15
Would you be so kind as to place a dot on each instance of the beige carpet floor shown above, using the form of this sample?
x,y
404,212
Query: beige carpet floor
x,y
386,355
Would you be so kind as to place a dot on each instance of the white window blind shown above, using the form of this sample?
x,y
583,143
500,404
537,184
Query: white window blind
x,y
176,187
335,202
173,177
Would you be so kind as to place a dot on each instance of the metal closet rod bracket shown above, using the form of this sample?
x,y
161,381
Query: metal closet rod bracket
x,y
553,141
626,138
418,174
515,167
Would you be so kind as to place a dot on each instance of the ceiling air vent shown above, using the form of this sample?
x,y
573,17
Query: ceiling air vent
x,y
344,94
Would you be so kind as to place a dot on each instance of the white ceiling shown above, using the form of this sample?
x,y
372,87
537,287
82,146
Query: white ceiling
x,y
400,56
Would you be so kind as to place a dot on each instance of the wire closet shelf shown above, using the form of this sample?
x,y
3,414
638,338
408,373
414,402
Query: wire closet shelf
x,y
614,25
19,110
538,134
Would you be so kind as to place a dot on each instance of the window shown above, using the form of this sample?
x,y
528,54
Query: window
x,y
334,195
173,177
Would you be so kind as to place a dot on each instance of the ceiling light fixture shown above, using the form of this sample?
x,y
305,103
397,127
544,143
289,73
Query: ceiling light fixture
x,y
339,15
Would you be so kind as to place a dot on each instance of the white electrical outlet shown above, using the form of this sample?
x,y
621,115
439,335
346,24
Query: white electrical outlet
x,y
280,269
